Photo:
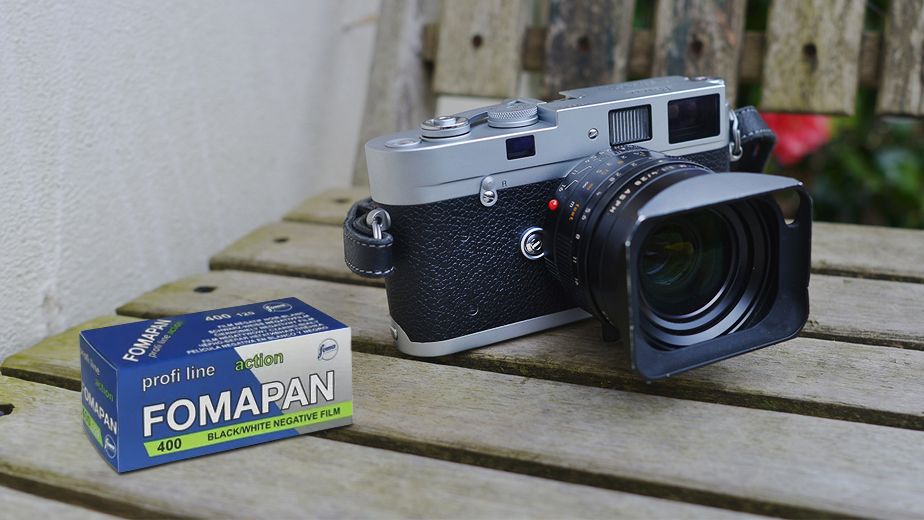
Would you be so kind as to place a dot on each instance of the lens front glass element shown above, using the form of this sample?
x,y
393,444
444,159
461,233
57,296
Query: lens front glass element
x,y
685,263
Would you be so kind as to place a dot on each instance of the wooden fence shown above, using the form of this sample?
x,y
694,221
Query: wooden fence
x,y
813,56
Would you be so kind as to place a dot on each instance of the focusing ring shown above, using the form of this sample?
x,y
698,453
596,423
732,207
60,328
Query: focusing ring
x,y
584,194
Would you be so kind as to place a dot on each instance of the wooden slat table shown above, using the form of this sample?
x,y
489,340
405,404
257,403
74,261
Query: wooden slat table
x,y
550,425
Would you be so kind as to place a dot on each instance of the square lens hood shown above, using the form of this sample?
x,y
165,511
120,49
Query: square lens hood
x,y
785,306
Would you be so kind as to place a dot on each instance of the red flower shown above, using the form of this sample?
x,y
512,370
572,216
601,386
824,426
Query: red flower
x,y
797,135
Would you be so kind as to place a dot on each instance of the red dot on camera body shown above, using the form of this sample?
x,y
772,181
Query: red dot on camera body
x,y
553,204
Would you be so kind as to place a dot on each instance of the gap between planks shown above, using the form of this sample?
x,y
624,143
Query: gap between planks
x,y
26,504
346,480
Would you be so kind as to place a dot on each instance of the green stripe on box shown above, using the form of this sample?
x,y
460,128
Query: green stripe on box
x,y
288,421
92,426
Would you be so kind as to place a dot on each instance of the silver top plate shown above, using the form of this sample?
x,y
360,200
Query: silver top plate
x,y
437,169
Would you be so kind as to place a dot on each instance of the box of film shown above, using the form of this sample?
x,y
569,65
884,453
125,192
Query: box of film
x,y
168,389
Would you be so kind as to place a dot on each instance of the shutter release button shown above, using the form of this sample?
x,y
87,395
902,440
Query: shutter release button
x,y
445,126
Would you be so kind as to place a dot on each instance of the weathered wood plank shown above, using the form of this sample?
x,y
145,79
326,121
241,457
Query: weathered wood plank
x,y
364,308
641,53
398,96
345,480
480,47
813,377
868,252
329,207
284,248
699,38
616,438
533,48
587,43
813,51
752,58
309,251
837,249
58,363
876,312
902,89
17,504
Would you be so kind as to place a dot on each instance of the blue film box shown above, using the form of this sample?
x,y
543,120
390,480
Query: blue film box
x,y
168,389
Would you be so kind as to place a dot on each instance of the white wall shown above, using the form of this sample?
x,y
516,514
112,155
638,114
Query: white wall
x,y
137,138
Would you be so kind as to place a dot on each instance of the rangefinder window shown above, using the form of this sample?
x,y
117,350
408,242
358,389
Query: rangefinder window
x,y
520,147
630,125
693,118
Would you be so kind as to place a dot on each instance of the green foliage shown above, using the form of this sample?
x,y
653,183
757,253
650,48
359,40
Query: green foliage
x,y
871,172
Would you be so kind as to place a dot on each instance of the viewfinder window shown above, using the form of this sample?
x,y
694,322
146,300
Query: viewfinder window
x,y
520,147
693,118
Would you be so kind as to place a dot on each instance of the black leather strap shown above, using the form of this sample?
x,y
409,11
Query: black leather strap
x,y
364,254
372,258
757,141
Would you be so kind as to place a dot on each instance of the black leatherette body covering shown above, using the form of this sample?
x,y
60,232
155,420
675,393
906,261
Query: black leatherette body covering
x,y
716,160
459,269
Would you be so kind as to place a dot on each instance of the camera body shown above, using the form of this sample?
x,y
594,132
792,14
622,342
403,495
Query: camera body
x,y
472,199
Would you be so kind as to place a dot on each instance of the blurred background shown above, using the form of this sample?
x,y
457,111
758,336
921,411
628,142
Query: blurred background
x,y
139,138
860,169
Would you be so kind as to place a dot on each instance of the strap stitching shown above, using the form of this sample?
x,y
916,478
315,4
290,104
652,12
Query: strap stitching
x,y
358,237
366,271
373,246
748,110
754,132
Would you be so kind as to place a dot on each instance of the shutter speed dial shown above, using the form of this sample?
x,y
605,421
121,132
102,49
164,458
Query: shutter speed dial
x,y
513,114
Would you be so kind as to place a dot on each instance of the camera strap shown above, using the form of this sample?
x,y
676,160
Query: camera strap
x,y
367,246
751,140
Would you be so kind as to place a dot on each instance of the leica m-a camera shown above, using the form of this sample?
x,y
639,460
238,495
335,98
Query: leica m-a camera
x,y
616,202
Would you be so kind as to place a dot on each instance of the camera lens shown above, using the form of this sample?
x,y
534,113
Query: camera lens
x,y
693,275
685,263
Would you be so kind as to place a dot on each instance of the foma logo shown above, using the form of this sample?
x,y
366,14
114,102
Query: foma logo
x,y
110,446
327,349
277,307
